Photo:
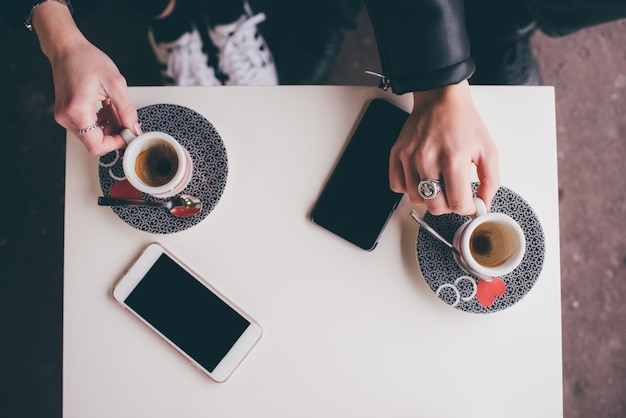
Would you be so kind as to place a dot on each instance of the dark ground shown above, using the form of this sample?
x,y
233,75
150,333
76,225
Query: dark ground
x,y
588,70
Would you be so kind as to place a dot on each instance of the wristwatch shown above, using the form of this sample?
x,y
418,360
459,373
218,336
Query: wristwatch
x,y
29,20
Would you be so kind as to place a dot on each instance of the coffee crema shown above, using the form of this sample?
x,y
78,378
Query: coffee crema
x,y
157,164
492,244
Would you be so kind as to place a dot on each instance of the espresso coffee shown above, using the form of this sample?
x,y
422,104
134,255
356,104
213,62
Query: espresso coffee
x,y
493,243
157,163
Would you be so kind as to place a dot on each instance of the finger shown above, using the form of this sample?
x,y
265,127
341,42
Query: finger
x,y
76,116
80,117
94,137
92,140
458,187
438,204
488,171
97,143
123,106
111,143
412,180
396,174
429,169
111,127
410,176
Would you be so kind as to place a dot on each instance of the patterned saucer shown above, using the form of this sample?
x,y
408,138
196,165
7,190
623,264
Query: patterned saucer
x,y
210,169
465,292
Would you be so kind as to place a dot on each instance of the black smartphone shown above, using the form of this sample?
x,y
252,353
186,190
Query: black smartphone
x,y
357,202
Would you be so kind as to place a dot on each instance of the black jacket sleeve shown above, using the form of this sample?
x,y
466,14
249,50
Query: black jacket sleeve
x,y
423,44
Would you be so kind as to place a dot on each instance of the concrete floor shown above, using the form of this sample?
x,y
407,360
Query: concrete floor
x,y
588,70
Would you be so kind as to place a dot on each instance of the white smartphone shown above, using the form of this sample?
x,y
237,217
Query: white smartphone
x,y
187,312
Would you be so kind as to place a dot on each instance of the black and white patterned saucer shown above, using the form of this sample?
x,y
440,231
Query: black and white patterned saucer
x,y
465,292
210,168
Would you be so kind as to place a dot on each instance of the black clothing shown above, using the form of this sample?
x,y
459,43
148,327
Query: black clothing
x,y
424,44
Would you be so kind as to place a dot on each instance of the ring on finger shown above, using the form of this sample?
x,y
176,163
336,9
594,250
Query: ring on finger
x,y
87,129
429,188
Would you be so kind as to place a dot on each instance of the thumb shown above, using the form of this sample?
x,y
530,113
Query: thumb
x,y
123,106
489,176
127,114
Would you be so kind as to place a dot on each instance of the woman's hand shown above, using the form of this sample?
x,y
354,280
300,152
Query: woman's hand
x,y
89,89
442,138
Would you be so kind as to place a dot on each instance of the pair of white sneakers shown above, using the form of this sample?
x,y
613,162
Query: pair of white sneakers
x,y
243,58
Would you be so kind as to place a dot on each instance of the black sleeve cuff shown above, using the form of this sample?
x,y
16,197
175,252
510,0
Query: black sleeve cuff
x,y
422,44
429,80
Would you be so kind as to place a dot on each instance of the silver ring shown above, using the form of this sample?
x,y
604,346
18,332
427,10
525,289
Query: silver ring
x,y
87,129
429,189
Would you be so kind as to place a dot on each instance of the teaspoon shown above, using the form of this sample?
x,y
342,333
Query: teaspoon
x,y
431,231
181,206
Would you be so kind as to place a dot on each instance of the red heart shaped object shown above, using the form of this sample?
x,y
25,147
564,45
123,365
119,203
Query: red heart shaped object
x,y
486,292
124,190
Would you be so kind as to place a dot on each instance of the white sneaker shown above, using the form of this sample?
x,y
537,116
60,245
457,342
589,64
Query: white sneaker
x,y
183,63
243,56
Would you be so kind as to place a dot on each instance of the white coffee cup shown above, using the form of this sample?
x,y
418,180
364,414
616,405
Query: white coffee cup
x,y
489,245
155,163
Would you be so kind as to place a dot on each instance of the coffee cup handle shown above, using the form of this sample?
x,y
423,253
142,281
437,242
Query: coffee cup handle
x,y
481,208
127,135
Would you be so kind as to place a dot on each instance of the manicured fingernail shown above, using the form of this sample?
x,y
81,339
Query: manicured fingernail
x,y
137,129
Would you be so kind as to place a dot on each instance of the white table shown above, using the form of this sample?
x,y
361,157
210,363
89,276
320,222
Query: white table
x,y
347,333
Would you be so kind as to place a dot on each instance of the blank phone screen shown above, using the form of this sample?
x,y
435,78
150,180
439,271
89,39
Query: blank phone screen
x,y
357,200
187,312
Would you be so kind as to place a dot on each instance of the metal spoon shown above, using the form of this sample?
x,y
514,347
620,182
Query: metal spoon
x,y
432,232
455,252
181,206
